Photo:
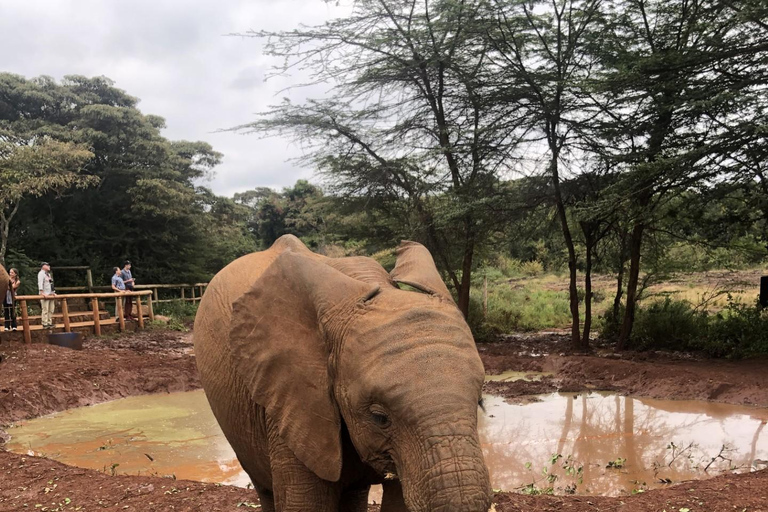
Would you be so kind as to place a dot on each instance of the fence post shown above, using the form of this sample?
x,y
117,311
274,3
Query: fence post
x,y
157,297
25,322
89,279
192,290
65,314
96,316
140,312
182,293
119,312
151,308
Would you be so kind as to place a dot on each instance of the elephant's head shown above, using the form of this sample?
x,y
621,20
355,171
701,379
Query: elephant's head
x,y
322,344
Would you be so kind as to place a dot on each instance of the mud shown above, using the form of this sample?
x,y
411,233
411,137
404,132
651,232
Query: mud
x,y
40,379
653,375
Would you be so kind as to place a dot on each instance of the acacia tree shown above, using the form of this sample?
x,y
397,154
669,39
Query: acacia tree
x,y
678,76
542,48
34,168
411,120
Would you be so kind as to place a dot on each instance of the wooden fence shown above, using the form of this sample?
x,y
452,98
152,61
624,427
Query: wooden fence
x,y
97,322
187,292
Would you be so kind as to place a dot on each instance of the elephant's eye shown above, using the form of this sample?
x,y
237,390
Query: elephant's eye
x,y
380,418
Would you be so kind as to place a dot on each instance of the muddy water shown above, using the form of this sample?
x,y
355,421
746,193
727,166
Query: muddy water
x,y
163,435
649,440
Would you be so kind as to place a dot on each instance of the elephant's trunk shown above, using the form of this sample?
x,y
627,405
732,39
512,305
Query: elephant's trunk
x,y
452,477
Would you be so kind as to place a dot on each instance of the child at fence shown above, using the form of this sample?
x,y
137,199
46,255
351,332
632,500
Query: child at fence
x,y
9,301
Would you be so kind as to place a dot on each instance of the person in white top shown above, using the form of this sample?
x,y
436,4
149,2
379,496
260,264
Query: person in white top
x,y
45,288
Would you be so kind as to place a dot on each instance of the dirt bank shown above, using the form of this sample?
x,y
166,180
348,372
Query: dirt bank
x,y
41,379
653,375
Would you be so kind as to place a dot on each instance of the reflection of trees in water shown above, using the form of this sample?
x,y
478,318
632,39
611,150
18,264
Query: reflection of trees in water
x,y
595,430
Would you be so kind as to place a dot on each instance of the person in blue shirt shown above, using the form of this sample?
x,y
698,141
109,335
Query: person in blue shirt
x,y
128,280
117,284
117,281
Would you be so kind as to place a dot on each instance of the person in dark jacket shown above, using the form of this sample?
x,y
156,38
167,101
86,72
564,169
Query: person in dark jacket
x,y
9,301
128,280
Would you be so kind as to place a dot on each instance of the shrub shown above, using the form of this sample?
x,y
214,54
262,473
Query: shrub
x,y
739,330
532,268
668,324
509,267
177,309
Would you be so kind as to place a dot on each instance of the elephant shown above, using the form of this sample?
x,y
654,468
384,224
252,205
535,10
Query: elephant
x,y
5,281
329,375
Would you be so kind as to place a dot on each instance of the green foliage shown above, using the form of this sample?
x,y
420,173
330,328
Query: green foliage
x,y
515,309
739,330
147,206
180,309
180,313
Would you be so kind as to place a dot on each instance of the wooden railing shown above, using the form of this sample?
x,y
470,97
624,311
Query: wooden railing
x,y
195,290
94,300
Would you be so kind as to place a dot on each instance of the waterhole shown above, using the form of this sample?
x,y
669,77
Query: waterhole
x,y
587,443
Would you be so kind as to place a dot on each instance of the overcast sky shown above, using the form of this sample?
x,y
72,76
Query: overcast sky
x,y
175,56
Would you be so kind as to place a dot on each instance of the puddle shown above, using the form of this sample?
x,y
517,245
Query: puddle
x,y
649,439
512,376
157,435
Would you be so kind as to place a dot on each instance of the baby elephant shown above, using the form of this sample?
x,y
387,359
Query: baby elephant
x,y
327,378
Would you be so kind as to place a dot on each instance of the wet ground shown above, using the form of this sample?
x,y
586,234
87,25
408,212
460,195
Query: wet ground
x,y
607,444
39,380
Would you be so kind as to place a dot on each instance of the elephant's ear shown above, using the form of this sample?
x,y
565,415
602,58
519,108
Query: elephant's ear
x,y
279,350
415,267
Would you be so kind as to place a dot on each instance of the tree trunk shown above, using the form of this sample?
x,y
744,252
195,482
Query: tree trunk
x,y
466,275
572,289
587,294
635,244
620,278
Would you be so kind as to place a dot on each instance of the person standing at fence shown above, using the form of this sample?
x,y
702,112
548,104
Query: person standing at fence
x,y
9,301
128,280
46,289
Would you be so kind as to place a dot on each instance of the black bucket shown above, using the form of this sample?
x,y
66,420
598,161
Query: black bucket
x,y
73,340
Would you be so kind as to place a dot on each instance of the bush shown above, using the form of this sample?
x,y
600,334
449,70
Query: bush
x,y
177,309
739,330
668,324
532,268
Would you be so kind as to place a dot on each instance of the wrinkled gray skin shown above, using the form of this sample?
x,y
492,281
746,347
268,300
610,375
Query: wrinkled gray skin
x,y
326,378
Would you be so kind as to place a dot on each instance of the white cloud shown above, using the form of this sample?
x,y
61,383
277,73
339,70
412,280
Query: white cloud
x,y
177,58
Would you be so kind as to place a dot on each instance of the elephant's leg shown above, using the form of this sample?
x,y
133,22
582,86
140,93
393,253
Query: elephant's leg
x,y
392,499
266,499
355,500
296,488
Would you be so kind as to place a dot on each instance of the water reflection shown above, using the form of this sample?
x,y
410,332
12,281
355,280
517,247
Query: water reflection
x,y
651,439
